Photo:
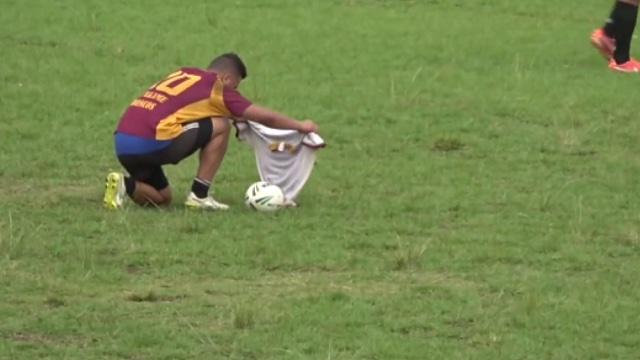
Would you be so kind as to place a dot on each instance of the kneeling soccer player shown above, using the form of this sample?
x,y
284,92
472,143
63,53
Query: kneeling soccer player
x,y
189,110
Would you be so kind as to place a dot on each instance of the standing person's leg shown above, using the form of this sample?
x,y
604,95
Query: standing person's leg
x,y
613,40
623,20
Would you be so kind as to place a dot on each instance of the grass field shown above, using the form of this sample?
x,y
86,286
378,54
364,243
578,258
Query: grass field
x,y
478,198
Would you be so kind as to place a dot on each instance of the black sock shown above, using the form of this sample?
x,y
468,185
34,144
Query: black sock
x,y
621,25
200,188
130,185
609,27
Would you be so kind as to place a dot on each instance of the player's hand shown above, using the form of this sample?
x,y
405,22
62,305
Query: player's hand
x,y
308,126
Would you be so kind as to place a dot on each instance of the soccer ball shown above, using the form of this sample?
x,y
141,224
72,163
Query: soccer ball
x,y
263,196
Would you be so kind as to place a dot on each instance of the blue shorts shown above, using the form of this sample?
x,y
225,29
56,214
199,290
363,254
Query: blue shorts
x,y
143,158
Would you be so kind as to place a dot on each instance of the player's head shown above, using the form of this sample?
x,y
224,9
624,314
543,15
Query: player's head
x,y
230,68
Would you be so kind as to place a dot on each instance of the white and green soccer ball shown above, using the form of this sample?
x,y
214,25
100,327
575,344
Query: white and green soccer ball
x,y
263,196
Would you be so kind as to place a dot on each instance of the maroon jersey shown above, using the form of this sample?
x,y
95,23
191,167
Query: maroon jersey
x,y
185,96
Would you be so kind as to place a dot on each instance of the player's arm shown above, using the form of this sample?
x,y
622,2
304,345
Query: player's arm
x,y
277,120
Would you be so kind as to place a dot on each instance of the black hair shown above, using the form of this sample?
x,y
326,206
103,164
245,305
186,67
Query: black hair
x,y
229,61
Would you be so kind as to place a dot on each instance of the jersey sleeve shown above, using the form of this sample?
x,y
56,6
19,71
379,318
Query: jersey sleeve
x,y
236,103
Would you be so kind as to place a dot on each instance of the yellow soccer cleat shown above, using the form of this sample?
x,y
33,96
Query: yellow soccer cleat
x,y
115,191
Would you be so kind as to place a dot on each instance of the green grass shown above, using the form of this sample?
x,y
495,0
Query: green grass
x,y
478,198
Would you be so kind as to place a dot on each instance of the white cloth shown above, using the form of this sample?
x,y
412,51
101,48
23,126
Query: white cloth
x,y
284,157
